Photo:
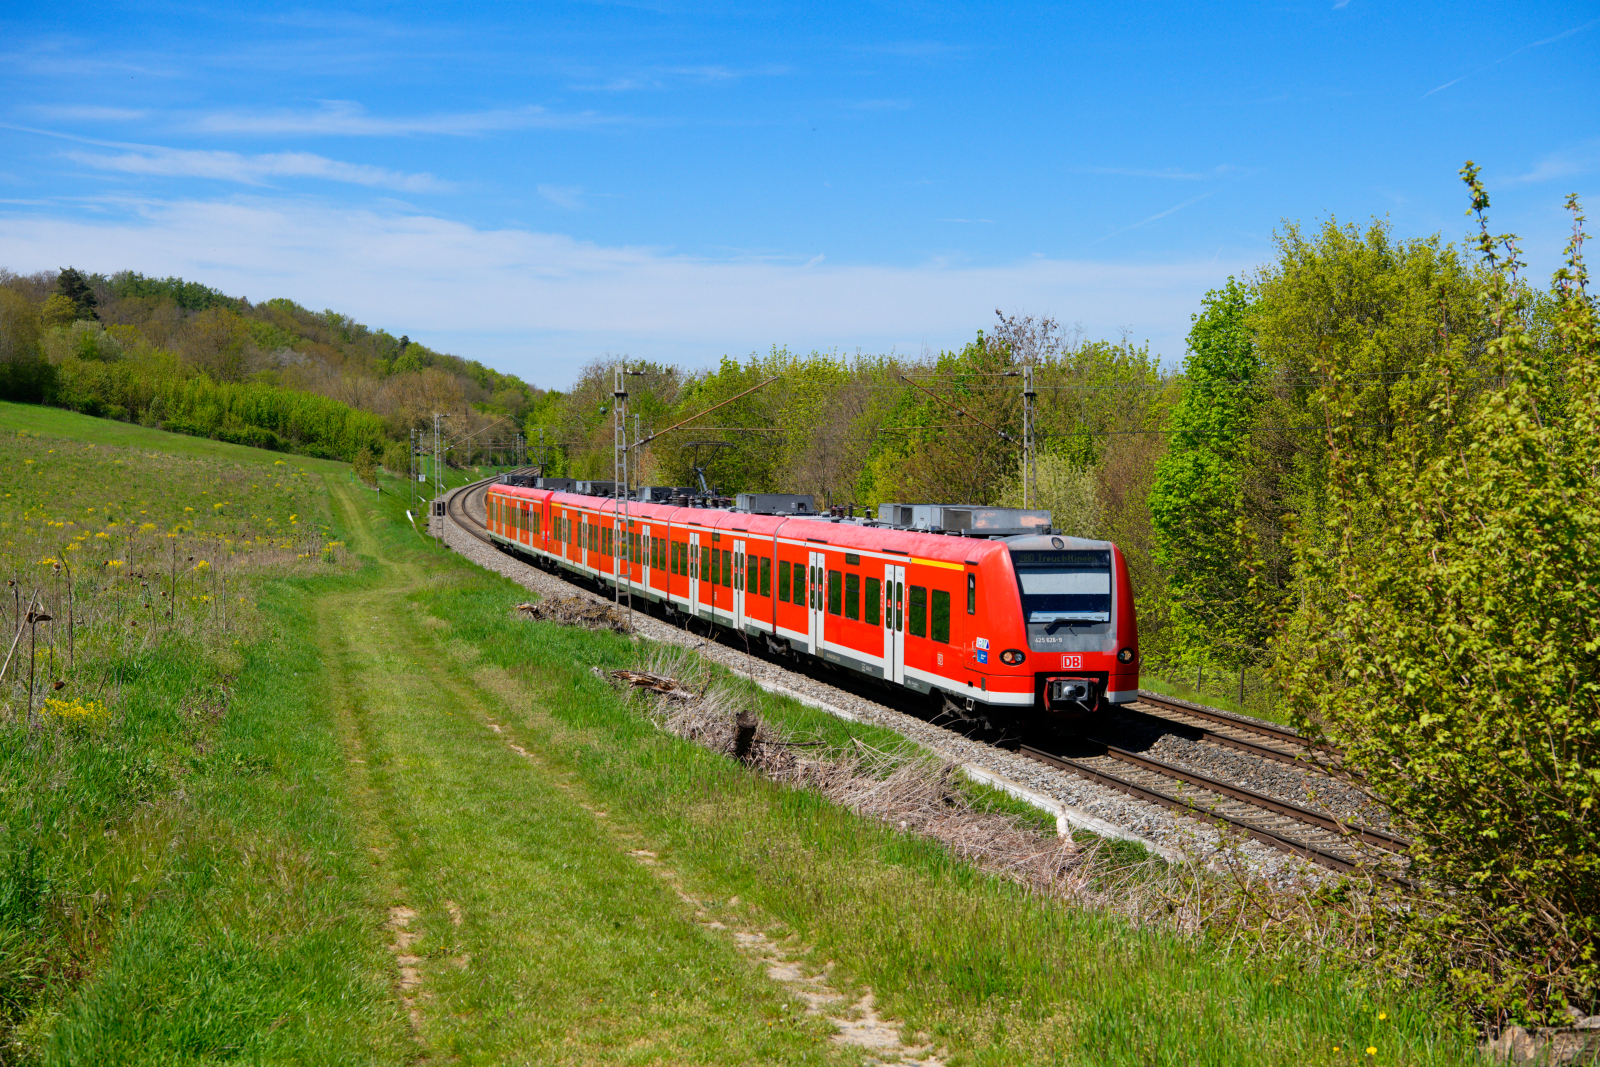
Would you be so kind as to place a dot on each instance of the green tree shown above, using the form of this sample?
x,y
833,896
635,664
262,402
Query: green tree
x,y
1196,502
72,284
365,466
1450,642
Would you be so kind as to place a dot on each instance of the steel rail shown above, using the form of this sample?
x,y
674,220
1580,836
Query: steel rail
x,y
1200,711
1370,835
456,509
1217,737
1188,807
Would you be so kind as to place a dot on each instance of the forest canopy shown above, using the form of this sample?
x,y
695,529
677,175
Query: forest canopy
x,y
180,354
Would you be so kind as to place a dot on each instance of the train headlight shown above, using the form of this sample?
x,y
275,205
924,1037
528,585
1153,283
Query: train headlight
x,y
1125,656
1011,657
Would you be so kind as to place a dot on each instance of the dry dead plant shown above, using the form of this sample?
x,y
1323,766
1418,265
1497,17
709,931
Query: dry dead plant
x,y
575,611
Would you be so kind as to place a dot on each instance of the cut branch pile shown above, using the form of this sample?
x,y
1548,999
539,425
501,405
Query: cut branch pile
x,y
575,611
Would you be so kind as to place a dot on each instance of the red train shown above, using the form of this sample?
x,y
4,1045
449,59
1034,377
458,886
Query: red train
x,y
993,616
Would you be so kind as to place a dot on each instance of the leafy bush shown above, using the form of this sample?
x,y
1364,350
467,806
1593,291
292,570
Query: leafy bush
x,y
1451,645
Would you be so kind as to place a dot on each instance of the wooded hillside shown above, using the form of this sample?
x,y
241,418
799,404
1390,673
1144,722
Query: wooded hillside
x,y
164,351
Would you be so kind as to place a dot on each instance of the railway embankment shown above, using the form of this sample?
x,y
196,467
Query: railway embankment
x,y
1080,803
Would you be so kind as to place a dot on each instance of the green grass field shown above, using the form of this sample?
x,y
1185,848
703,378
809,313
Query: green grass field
x,y
309,839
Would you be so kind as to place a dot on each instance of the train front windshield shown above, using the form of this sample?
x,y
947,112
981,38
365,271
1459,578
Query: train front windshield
x,y
1067,585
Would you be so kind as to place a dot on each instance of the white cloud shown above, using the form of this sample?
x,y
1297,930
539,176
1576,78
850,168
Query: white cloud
x,y
658,77
84,113
1569,163
1158,215
567,196
541,304
346,118
255,170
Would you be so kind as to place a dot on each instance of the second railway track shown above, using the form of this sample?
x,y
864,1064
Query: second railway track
x,y
1312,835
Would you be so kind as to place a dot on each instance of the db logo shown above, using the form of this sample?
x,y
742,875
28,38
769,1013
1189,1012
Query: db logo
x,y
1072,663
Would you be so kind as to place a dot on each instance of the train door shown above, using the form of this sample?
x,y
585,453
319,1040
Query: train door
x,y
738,585
894,624
694,573
819,575
619,551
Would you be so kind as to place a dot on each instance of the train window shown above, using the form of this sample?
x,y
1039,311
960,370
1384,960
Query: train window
x,y
899,612
852,596
633,546
834,586
799,583
783,581
873,587
706,556
538,518
752,571
766,576
917,609
941,616
727,567
852,559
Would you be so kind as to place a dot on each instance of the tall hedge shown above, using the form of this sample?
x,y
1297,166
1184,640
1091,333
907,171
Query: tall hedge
x,y
1452,647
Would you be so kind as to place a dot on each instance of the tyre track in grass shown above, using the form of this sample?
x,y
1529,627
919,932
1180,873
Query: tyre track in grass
x,y
521,925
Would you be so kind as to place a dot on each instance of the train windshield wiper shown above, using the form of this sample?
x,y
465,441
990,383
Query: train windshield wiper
x,y
1069,616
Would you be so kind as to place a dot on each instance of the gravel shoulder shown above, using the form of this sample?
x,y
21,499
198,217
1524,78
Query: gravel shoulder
x,y
1171,835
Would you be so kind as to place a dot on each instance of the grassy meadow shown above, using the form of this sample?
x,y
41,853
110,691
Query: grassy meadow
x,y
370,816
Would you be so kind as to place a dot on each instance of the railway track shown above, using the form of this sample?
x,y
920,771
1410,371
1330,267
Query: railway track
x,y
1217,727
1312,835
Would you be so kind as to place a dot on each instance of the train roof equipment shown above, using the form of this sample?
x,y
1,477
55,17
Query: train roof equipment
x,y
662,494
965,520
776,503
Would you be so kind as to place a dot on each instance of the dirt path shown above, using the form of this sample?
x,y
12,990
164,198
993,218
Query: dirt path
x,y
522,921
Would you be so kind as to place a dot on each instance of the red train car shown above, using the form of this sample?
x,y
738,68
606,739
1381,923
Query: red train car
x,y
995,617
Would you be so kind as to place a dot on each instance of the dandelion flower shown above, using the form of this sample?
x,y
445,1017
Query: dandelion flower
x,y
1383,1015
1372,1050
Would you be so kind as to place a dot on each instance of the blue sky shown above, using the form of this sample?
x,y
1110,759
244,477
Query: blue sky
x,y
538,185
